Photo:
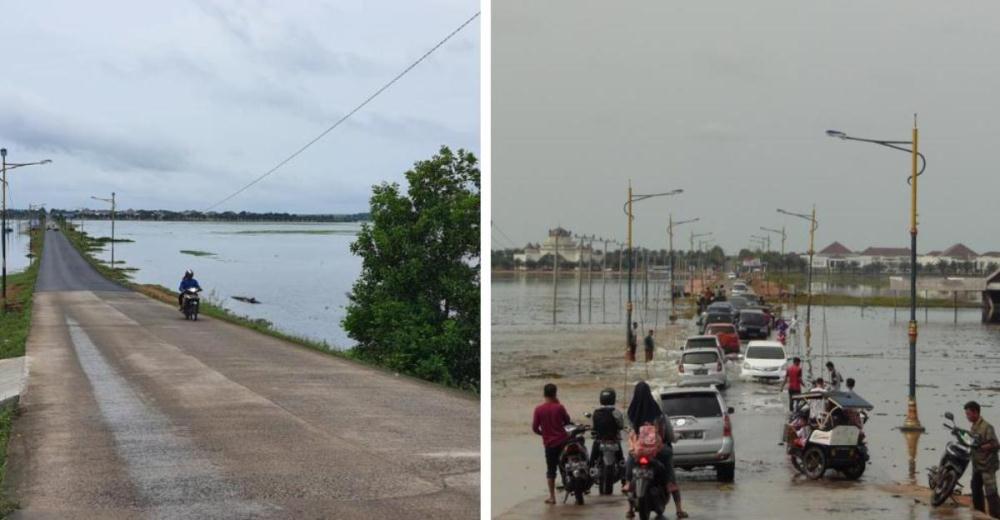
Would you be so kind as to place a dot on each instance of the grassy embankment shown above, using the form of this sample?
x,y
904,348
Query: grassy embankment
x,y
14,326
87,246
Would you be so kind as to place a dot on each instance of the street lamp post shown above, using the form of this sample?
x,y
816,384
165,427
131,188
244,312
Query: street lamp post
x,y
632,198
782,233
691,238
112,201
670,233
4,166
813,224
912,422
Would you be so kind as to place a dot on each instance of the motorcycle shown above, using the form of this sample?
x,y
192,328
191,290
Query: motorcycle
x,y
190,303
574,465
644,497
943,478
609,467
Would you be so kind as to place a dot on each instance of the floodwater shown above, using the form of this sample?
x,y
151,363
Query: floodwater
x,y
17,246
958,360
300,272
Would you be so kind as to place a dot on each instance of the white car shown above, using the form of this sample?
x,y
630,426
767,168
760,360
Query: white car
x,y
765,360
702,366
740,288
731,275
704,341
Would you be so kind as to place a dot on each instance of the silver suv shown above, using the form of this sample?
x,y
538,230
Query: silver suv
x,y
704,433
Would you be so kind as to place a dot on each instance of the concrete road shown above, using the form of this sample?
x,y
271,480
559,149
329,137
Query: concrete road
x,y
132,412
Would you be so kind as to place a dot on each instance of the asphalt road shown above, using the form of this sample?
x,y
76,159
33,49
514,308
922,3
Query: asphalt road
x,y
132,412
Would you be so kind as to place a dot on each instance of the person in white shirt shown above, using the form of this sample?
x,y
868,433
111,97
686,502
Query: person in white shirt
x,y
817,407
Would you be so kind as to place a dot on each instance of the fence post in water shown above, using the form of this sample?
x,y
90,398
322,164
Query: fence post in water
x,y
604,284
954,297
579,282
926,305
620,256
555,280
590,281
894,306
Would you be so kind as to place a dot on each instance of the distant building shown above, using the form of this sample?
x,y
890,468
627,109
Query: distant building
x,y
561,240
833,255
894,259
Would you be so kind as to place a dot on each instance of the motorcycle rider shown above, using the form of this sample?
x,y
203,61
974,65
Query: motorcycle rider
x,y
984,462
186,283
608,423
643,410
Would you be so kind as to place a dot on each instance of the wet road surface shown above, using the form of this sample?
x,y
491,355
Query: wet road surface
x,y
132,412
957,362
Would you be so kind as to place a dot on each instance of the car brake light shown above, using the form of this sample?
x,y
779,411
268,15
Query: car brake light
x,y
643,461
727,427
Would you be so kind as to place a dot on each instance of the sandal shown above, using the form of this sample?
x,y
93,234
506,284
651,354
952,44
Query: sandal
x,y
682,514
550,501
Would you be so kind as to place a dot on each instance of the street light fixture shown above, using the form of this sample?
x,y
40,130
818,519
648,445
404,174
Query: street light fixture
x,y
112,202
3,220
633,198
912,422
670,233
813,225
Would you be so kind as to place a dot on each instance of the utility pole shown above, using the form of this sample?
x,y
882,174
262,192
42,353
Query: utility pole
x,y
4,166
579,280
670,243
590,280
604,284
782,233
112,201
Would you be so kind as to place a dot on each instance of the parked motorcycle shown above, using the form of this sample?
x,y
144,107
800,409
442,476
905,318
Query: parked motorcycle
x,y
574,465
190,303
943,478
646,498
609,466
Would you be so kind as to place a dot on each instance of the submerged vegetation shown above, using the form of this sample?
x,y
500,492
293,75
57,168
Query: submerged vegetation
x,y
194,252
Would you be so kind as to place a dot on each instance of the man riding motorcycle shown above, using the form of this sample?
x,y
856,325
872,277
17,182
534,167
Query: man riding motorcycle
x,y
608,424
186,283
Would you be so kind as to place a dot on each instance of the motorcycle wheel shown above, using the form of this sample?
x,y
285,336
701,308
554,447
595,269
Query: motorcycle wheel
x,y
855,471
946,481
643,508
579,496
814,463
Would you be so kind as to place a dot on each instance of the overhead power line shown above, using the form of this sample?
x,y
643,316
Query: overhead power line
x,y
348,115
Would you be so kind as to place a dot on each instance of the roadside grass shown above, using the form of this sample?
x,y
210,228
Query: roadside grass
x,y
84,245
7,416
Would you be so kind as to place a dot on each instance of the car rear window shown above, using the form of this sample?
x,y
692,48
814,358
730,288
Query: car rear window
x,y
699,404
765,353
719,318
700,358
753,318
701,342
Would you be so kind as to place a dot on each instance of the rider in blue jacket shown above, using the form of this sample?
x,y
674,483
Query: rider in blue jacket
x,y
187,282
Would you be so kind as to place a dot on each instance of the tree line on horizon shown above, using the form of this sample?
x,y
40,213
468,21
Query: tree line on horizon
x,y
191,215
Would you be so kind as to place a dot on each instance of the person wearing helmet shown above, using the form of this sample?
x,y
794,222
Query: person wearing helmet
x,y
187,282
608,423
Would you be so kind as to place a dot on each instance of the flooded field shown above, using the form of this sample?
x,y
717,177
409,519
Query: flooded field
x,y
300,272
17,246
958,360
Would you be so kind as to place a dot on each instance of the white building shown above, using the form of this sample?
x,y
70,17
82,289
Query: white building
x,y
560,241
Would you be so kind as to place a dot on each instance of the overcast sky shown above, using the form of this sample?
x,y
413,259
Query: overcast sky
x,y
177,104
730,101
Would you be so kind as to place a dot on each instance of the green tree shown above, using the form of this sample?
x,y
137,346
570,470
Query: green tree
x,y
415,306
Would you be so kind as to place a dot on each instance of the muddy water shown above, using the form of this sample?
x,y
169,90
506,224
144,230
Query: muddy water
x,y
957,362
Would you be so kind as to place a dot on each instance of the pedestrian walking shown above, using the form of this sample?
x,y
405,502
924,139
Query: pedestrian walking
x,y
633,342
793,380
835,378
649,346
549,420
984,462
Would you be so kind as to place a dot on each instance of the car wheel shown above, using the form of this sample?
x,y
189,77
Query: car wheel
x,y
725,472
813,462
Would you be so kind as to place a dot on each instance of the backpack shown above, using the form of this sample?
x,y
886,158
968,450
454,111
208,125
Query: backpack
x,y
649,442
605,425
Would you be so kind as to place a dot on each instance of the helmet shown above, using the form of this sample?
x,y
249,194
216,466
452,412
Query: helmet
x,y
607,397
189,273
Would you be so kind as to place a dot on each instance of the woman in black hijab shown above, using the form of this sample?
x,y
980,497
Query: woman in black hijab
x,y
644,410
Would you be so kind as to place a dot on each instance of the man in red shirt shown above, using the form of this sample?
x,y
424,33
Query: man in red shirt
x,y
793,378
549,419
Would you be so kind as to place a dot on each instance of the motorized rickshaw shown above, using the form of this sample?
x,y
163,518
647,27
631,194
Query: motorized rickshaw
x,y
825,431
